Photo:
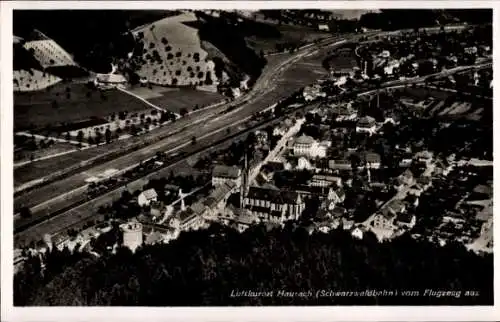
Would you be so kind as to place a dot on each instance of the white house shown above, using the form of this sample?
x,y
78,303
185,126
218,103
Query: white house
x,y
146,197
385,54
222,174
323,27
357,232
303,163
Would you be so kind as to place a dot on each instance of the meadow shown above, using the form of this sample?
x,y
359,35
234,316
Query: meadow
x,y
69,103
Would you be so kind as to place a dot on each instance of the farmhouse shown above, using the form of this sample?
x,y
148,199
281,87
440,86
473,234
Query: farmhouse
x,y
357,232
109,80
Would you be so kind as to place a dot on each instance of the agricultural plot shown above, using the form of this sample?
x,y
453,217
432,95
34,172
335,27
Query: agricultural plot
x,y
290,35
49,53
173,54
33,80
39,169
174,101
342,59
69,103
23,154
151,92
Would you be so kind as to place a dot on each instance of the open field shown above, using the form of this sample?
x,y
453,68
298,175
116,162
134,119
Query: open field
x,y
39,169
289,34
67,103
151,92
58,147
33,80
344,58
174,101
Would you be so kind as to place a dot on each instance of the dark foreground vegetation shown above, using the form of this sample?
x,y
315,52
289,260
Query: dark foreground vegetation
x,y
102,34
204,267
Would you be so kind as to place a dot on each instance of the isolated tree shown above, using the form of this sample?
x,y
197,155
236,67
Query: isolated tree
x,y
79,136
107,135
183,111
208,78
98,137
133,129
193,140
25,212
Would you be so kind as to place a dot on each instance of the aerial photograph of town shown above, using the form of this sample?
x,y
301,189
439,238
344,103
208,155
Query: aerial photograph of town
x,y
284,157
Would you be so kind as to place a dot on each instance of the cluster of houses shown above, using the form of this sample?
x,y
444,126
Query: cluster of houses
x,y
238,203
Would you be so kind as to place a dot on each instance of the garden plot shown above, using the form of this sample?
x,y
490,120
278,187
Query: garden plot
x,y
145,119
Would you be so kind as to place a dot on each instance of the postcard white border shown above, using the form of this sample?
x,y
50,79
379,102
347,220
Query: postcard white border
x,y
352,313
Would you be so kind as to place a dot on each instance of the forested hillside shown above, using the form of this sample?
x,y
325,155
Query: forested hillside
x,y
202,268
392,19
